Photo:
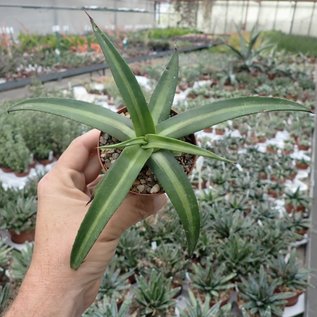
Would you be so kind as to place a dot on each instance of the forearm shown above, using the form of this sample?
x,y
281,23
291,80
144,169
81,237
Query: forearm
x,y
39,296
55,290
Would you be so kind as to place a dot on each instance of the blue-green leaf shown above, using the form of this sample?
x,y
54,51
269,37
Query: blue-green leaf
x,y
219,111
87,113
178,188
162,98
108,197
127,85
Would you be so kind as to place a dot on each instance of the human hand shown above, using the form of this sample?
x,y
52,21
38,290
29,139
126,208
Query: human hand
x,y
63,194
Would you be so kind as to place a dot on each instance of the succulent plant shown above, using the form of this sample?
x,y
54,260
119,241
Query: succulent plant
x,y
5,293
151,137
291,275
109,308
154,295
211,280
260,296
195,307
20,262
114,284
19,214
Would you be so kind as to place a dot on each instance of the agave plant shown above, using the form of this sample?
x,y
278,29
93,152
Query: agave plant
x,y
260,295
150,137
197,308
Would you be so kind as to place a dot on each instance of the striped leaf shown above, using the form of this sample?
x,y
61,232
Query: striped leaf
x,y
155,141
178,188
87,113
127,85
162,98
208,115
108,197
138,140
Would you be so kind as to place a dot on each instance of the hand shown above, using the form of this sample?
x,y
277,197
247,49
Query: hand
x,y
51,287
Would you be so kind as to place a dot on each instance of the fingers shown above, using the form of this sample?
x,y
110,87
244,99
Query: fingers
x,y
133,209
93,168
79,153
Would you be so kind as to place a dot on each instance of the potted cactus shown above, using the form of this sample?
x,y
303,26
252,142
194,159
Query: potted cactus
x,y
149,136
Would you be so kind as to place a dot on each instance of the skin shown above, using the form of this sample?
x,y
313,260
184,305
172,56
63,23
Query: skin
x,y
50,287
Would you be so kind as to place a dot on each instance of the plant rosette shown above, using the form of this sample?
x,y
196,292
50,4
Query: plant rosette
x,y
146,182
149,137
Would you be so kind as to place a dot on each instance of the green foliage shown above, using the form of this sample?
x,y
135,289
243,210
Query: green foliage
x,y
249,49
260,295
211,280
154,295
289,272
299,44
5,293
19,214
21,261
13,151
170,32
108,307
5,251
195,307
114,284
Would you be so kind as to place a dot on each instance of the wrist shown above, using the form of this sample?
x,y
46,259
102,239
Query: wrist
x,y
42,296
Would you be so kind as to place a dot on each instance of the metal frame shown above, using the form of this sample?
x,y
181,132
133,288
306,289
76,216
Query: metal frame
x,y
311,303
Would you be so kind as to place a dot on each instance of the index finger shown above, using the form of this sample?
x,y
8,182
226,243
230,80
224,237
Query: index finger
x,y
78,153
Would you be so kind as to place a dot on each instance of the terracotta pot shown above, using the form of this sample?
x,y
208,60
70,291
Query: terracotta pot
x,y
302,231
220,131
303,147
302,165
46,162
6,169
291,301
147,173
22,174
22,237
208,130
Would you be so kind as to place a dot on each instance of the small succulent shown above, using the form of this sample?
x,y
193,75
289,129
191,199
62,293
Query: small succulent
x,y
260,296
19,214
4,258
110,309
211,280
5,293
195,307
151,136
20,262
114,284
289,271
154,295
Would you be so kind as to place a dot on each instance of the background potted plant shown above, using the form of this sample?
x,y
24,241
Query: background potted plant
x,y
259,295
151,137
154,296
293,278
18,217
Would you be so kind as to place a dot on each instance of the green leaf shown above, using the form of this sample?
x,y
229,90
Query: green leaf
x,y
138,140
127,85
87,113
178,188
219,111
156,141
114,186
163,95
